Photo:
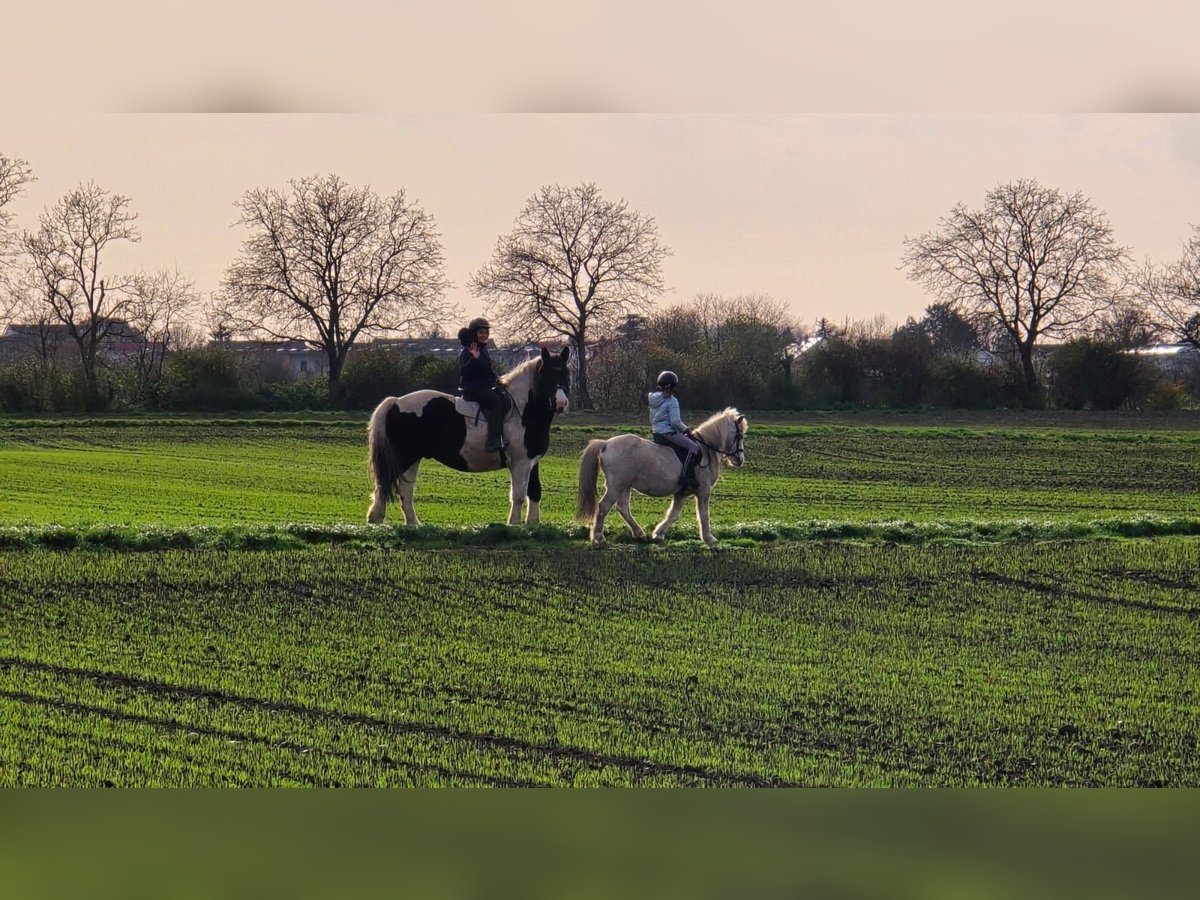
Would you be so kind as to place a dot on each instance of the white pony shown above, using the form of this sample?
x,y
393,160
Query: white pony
x,y
630,463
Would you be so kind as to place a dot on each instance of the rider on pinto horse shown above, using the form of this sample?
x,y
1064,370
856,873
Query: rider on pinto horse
x,y
478,381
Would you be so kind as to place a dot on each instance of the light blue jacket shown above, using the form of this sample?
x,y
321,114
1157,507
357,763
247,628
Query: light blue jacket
x,y
664,414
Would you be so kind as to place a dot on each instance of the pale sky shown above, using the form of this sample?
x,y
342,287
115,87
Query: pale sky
x,y
809,209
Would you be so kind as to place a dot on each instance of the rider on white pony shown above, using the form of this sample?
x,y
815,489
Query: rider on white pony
x,y
668,427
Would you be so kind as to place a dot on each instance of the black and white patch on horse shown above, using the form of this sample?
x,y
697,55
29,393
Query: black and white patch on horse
x,y
403,431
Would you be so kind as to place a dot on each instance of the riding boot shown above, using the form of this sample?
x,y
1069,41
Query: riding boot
x,y
688,481
495,424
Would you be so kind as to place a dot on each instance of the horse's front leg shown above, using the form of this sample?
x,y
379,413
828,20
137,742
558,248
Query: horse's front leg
x,y
702,518
519,475
661,529
534,498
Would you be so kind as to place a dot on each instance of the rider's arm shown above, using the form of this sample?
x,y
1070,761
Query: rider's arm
x,y
676,421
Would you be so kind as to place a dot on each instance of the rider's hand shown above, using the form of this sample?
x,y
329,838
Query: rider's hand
x,y
474,350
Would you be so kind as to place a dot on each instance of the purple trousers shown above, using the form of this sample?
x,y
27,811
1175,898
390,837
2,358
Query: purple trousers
x,y
679,439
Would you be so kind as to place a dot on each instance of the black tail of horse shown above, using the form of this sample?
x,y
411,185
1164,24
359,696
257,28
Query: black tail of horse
x,y
382,457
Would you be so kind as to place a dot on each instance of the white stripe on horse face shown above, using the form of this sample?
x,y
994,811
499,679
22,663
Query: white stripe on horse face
x,y
560,400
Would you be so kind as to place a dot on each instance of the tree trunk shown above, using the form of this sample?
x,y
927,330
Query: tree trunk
x,y
336,362
1033,392
580,387
91,386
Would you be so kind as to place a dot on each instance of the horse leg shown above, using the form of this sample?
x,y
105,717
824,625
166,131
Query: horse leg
x,y
406,488
673,511
702,519
534,499
605,504
519,475
627,515
378,508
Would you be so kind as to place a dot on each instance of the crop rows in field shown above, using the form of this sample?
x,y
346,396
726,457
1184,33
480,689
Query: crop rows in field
x,y
1054,663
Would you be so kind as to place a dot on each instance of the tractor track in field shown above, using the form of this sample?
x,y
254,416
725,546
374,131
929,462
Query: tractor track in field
x,y
639,767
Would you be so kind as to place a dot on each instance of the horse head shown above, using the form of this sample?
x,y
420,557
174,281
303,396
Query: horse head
x,y
733,434
738,457
554,379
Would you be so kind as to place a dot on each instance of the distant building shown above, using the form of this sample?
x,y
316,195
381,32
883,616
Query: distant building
x,y
450,348
280,360
1171,359
53,341
293,360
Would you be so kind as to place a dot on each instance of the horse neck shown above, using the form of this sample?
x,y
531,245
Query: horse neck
x,y
521,381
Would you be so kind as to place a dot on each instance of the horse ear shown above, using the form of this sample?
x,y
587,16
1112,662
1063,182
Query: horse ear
x,y
545,355
566,353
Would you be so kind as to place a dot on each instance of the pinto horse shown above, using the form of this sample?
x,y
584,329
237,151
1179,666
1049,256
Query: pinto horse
x,y
631,463
427,425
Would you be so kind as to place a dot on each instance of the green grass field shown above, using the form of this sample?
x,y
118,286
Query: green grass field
x,y
951,637
200,473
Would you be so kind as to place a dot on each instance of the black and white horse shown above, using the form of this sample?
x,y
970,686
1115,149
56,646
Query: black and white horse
x,y
427,425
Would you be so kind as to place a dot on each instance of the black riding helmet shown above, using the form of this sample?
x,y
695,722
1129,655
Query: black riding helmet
x,y
667,379
469,334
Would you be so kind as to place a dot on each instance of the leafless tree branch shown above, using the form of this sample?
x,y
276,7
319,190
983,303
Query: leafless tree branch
x,y
1032,262
327,263
574,266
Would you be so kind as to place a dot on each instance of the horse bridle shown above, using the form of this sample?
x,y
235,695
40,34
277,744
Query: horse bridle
x,y
738,441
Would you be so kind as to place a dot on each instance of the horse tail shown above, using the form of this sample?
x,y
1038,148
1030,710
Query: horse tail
x,y
382,457
589,473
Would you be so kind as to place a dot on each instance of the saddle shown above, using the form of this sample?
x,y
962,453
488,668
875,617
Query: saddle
x,y
662,441
469,409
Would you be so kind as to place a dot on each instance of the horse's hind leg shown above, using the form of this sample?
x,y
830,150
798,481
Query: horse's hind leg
x,y
602,508
406,489
673,511
627,515
378,506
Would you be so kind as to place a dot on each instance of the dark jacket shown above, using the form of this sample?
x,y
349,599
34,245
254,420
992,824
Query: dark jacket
x,y
476,375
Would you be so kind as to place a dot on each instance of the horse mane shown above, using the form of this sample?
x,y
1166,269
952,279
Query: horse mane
x,y
729,412
521,372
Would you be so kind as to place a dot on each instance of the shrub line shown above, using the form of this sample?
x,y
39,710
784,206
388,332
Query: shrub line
x,y
301,535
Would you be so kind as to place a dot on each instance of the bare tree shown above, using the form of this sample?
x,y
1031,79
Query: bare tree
x,y
14,175
67,255
1172,293
1127,327
328,263
1031,263
574,266
159,306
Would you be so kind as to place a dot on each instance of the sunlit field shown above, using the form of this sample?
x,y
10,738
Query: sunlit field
x,y
195,473
199,603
